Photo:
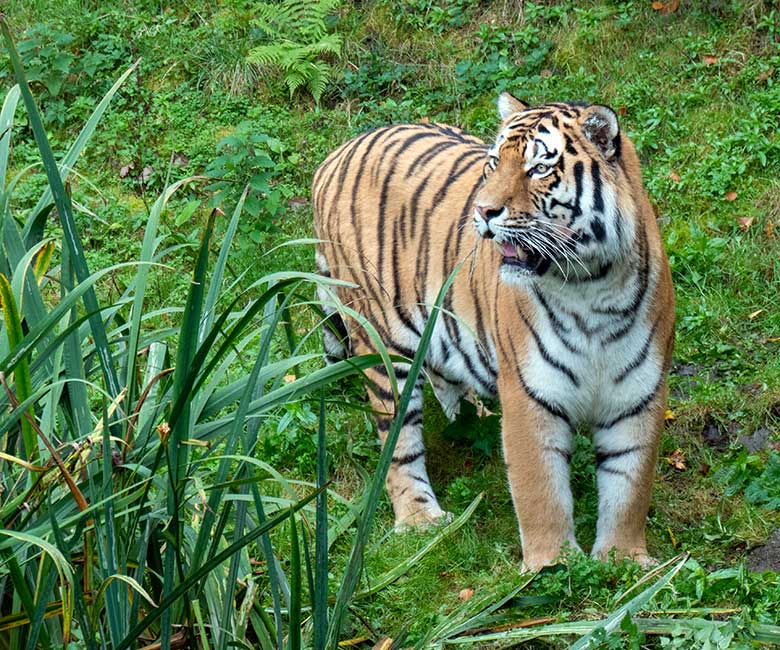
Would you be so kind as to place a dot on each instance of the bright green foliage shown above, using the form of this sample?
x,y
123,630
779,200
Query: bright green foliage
x,y
759,479
299,42
247,159
696,90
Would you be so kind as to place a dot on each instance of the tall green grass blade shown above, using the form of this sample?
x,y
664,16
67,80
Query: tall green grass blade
x,y
293,391
218,272
77,403
79,601
116,604
6,124
203,570
45,592
612,622
355,562
320,594
176,450
23,384
233,437
65,211
294,628
147,256
763,633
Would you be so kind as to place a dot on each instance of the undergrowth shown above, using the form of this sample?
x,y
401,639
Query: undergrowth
x,y
694,87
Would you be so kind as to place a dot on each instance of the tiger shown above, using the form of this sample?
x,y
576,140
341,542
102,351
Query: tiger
x,y
564,311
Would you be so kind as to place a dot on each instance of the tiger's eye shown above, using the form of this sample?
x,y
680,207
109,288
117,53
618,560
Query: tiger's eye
x,y
541,168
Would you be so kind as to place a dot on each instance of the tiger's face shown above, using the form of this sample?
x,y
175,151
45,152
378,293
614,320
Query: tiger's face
x,y
549,200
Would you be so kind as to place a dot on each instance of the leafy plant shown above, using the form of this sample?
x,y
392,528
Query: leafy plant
x,y
248,159
760,480
299,42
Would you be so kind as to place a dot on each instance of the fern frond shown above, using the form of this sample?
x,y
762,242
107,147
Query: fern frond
x,y
298,38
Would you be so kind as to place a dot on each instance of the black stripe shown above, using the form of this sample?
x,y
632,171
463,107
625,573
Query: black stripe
x,y
381,392
553,409
598,199
603,456
616,472
637,361
413,417
579,170
642,281
550,407
545,354
408,458
421,499
558,327
640,406
562,452
598,230
598,275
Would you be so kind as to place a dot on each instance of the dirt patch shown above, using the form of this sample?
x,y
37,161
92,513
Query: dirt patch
x,y
767,556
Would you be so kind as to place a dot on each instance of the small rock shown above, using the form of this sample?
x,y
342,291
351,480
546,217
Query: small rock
x,y
756,441
685,370
713,435
767,556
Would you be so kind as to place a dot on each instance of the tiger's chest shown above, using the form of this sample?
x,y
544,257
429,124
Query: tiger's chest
x,y
590,353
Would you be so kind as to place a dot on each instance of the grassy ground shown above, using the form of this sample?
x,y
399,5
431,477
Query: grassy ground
x,y
696,89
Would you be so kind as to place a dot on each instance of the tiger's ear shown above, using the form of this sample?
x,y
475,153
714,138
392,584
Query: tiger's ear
x,y
600,126
509,105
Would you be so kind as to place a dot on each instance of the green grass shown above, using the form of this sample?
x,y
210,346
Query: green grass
x,y
696,90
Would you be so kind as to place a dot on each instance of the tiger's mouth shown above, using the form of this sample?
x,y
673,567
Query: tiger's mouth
x,y
524,259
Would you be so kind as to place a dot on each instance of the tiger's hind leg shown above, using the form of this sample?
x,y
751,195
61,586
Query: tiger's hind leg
x,y
408,485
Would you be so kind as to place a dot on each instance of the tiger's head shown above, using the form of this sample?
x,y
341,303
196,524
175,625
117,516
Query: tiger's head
x,y
558,191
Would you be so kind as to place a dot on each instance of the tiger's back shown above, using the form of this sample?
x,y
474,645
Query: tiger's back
x,y
390,198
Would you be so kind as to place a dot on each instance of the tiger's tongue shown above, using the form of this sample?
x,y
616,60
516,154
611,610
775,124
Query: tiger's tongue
x,y
509,250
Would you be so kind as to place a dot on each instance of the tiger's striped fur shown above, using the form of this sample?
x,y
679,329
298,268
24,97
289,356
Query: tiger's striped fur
x,y
567,315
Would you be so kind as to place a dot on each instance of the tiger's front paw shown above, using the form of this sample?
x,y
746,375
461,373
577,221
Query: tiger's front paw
x,y
417,515
534,561
639,555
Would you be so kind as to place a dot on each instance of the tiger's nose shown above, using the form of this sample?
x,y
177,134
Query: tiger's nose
x,y
488,212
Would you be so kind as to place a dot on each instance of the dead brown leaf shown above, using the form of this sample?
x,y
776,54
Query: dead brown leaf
x,y
465,594
710,59
674,176
764,76
657,6
677,459
731,196
745,222
769,230
671,7
297,202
